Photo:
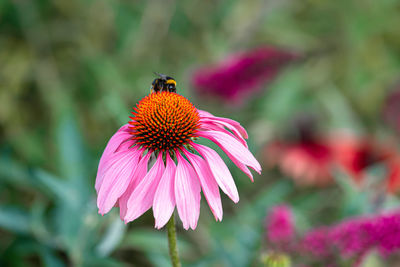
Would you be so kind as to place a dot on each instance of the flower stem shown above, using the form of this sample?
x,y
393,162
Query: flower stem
x,y
172,244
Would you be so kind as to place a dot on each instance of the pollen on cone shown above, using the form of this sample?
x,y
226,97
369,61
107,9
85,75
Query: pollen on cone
x,y
164,121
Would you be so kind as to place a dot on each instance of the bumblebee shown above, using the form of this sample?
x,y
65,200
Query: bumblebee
x,y
164,83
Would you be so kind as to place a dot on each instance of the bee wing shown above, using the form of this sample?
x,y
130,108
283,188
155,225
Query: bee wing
x,y
162,76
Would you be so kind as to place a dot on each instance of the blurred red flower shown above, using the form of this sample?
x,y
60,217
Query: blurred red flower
x,y
393,177
307,157
307,162
355,155
241,74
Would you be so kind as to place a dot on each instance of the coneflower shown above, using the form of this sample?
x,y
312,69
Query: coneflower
x,y
165,125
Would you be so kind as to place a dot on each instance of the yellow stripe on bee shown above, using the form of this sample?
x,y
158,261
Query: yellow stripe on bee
x,y
170,81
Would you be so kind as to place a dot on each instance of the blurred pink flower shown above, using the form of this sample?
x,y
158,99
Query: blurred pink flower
x,y
242,74
391,109
280,227
163,126
353,238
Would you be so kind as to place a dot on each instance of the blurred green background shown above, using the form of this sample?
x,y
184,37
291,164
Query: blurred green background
x,y
70,72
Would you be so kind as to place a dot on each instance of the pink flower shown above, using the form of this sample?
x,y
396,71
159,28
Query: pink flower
x,y
348,241
354,238
280,227
242,74
163,127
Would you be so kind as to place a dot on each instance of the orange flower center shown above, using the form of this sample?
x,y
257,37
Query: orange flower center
x,y
164,121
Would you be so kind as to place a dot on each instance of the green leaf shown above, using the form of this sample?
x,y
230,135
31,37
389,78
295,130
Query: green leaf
x,y
112,237
14,219
49,257
90,260
355,201
339,109
71,149
283,98
57,187
14,173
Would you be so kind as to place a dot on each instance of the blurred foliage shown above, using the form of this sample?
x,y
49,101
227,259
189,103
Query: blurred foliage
x,y
71,70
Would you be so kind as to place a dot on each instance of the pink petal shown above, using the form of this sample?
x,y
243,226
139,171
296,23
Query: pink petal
x,y
233,148
187,193
222,124
219,170
116,178
208,183
142,196
139,174
206,115
115,141
209,125
241,166
164,198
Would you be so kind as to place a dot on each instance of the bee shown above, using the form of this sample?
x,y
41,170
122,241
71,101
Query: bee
x,y
164,83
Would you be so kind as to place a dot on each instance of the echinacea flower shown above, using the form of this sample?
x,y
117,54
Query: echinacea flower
x,y
241,74
164,127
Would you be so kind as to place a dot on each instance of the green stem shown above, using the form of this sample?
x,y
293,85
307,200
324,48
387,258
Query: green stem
x,y
172,244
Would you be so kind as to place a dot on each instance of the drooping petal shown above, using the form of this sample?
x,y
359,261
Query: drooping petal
x,y
139,174
241,166
222,124
142,196
187,193
219,170
209,125
164,198
208,184
233,148
115,141
233,124
116,178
